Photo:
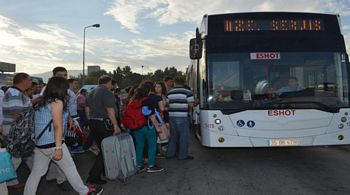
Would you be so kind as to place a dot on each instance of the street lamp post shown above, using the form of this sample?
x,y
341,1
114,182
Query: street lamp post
x,y
96,26
142,70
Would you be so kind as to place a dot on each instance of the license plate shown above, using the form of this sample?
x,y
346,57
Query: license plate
x,y
284,142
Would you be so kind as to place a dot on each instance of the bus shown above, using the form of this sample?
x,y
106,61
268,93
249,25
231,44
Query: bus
x,y
270,79
6,79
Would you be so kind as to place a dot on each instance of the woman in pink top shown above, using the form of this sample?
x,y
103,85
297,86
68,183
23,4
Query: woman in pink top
x,y
81,102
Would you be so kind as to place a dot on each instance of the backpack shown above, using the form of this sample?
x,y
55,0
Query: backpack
x,y
133,118
19,140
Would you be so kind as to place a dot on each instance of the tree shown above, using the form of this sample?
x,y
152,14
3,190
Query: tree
x,y
158,75
125,77
92,79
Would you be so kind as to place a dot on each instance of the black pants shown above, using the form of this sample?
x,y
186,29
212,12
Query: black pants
x,y
100,132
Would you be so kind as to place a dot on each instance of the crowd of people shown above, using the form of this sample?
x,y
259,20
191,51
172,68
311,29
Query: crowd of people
x,y
59,106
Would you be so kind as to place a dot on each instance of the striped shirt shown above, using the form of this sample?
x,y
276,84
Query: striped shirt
x,y
15,102
179,98
42,117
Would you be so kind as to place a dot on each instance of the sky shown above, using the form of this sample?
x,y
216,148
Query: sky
x,y
38,35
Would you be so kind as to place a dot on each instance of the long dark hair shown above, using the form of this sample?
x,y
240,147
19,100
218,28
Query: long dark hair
x,y
56,89
143,90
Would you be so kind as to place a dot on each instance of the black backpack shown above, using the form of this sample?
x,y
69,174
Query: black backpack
x,y
19,141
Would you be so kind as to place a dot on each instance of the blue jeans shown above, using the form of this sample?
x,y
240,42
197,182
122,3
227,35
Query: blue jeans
x,y
143,135
179,135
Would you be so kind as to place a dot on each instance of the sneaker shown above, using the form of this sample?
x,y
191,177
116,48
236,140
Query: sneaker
x,y
140,169
154,169
65,186
164,148
94,150
94,190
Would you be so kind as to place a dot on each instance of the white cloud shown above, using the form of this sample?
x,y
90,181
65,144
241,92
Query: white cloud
x,y
168,50
128,13
45,46
167,12
347,40
170,45
41,47
34,49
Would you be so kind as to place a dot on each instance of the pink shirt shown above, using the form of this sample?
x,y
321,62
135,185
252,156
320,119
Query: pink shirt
x,y
81,100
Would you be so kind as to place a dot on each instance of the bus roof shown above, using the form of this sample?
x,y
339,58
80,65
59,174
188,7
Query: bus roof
x,y
272,14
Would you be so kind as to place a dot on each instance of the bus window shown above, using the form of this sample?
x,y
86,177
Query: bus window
x,y
235,78
225,79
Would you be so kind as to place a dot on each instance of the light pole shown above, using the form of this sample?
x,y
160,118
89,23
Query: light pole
x,y
96,26
142,70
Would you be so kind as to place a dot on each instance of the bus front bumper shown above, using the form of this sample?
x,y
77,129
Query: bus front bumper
x,y
216,139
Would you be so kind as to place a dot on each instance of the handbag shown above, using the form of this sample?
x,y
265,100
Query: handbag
x,y
163,135
7,171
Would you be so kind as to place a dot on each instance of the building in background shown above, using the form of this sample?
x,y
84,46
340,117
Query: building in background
x,y
5,78
92,69
7,67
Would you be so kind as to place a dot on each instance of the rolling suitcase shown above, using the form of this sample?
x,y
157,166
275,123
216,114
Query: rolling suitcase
x,y
119,156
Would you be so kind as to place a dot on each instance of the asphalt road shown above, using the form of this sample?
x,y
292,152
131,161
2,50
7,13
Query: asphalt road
x,y
311,170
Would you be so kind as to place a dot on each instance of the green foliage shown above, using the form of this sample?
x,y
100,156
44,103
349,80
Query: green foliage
x,y
125,77
93,77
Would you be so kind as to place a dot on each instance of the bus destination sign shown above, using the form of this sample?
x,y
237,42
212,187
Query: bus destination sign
x,y
249,25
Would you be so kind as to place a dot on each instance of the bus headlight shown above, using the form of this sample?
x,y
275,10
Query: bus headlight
x,y
343,119
340,126
217,121
221,128
340,137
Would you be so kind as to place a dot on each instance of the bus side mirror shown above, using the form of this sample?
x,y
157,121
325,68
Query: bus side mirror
x,y
196,46
195,49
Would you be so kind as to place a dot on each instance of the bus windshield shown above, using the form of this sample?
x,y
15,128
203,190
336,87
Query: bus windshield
x,y
248,81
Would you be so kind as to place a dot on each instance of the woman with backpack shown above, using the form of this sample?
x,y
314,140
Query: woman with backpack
x,y
147,132
50,121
